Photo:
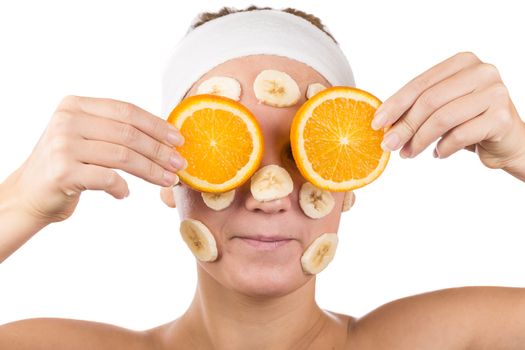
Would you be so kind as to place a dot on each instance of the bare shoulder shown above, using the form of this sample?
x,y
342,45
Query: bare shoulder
x,y
58,334
454,318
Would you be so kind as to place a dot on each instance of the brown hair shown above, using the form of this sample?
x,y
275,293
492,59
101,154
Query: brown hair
x,y
209,16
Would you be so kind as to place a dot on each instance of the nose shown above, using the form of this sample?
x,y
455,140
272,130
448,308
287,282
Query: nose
x,y
275,206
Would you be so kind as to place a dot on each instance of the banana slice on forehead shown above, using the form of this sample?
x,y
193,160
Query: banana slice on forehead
x,y
314,89
271,182
221,86
319,254
199,239
276,88
218,201
315,202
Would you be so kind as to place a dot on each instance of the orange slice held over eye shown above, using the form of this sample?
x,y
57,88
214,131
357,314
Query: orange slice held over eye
x,y
223,142
333,143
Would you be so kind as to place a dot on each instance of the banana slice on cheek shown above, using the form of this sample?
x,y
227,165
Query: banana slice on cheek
x,y
221,86
276,88
319,254
314,89
218,201
199,239
315,202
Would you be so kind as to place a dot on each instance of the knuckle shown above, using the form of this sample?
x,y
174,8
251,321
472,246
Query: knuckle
x,y
159,151
457,138
500,91
129,134
443,121
62,122
408,125
503,119
67,102
112,179
428,101
123,155
154,171
59,147
59,171
124,109
489,70
468,57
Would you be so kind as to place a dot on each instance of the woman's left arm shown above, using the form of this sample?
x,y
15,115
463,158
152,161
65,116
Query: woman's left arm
x,y
464,101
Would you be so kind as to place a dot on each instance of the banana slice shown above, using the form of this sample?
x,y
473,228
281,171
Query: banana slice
x,y
271,182
199,239
348,200
218,201
222,86
315,202
314,89
276,88
319,254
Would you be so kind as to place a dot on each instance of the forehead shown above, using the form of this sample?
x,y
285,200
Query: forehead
x,y
245,69
274,121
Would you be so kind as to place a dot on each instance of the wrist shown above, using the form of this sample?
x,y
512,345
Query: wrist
x,y
16,224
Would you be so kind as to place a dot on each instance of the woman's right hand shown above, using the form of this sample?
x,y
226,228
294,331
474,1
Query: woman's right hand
x,y
85,139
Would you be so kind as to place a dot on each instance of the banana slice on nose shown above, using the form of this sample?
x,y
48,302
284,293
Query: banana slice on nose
x,y
276,88
218,201
315,202
222,86
348,200
319,254
271,182
199,239
314,89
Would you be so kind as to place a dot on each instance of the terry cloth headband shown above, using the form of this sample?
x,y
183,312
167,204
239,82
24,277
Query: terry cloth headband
x,y
249,33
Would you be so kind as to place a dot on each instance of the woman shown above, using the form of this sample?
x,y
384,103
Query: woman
x,y
251,298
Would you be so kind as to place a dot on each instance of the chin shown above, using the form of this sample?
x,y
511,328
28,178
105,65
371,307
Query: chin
x,y
262,276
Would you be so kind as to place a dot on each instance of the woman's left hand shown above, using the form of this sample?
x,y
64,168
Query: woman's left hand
x,y
463,101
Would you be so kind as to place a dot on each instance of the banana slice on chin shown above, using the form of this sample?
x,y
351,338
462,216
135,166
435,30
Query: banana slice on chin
x,y
199,239
271,182
276,88
221,86
218,201
315,202
319,254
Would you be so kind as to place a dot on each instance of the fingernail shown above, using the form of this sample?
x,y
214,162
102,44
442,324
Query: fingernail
x,y
391,142
379,120
177,161
170,178
435,153
175,138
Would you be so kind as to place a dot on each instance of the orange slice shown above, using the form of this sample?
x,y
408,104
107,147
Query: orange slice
x,y
333,144
223,142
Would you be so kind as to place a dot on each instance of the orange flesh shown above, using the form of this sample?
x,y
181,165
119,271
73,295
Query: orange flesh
x,y
217,138
340,142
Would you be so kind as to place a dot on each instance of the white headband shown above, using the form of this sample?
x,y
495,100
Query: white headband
x,y
248,33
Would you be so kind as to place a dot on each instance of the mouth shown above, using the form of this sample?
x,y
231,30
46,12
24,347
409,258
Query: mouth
x,y
263,242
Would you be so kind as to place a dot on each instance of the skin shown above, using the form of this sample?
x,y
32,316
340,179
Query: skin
x,y
246,303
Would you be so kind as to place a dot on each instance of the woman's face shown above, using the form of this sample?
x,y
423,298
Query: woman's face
x,y
261,269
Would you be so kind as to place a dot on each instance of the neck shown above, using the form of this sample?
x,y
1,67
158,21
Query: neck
x,y
219,318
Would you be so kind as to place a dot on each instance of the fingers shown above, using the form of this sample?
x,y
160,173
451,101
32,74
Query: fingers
x,y
166,194
126,113
102,129
94,177
111,155
466,134
473,78
395,106
445,118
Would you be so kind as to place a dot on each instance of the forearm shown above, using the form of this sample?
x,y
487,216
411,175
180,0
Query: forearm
x,y
16,226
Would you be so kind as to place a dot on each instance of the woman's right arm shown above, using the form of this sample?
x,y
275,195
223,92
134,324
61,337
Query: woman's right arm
x,y
84,141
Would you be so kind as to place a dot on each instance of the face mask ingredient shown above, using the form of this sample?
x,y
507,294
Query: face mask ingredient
x,y
199,239
218,201
276,88
271,182
319,254
221,86
315,202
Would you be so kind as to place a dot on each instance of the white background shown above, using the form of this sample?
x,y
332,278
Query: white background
x,y
425,224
